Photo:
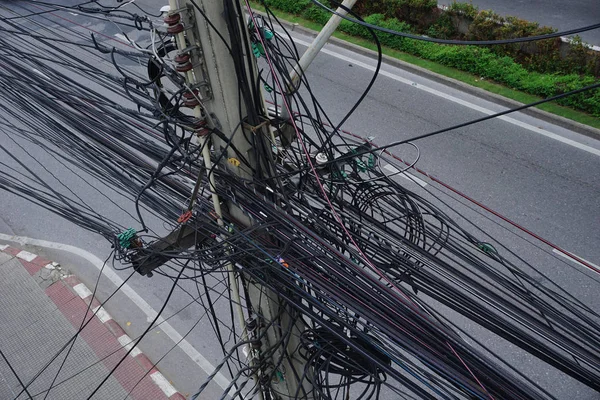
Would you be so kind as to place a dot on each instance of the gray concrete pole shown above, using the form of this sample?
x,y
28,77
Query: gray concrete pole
x,y
214,83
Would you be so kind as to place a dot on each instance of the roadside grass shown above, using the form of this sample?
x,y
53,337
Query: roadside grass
x,y
453,73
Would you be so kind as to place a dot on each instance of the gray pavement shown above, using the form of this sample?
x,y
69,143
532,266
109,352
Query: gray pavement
x,y
32,331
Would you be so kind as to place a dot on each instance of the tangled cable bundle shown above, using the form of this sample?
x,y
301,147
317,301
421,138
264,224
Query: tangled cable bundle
x,y
370,276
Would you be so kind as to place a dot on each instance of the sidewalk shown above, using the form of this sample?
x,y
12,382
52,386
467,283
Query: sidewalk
x,y
41,309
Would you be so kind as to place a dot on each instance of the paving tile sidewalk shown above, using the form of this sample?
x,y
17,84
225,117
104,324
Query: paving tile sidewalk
x,y
41,309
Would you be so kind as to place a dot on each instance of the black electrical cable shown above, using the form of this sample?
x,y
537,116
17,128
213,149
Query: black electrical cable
x,y
15,374
296,245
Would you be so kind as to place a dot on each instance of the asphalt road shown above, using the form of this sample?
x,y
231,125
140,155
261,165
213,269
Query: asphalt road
x,y
563,15
514,167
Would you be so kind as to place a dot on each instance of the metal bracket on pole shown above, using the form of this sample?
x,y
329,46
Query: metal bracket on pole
x,y
149,258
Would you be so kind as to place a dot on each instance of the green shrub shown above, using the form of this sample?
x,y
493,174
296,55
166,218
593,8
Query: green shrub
x,y
416,12
385,7
388,39
466,9
581,59
316,14
485,26
354,29
443,28
292,7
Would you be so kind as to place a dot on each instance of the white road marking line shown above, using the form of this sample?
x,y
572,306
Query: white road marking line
x,y
27,256
405,175
171,332
163,384
102,315
555,251
446,96
4,247
82,290
127,343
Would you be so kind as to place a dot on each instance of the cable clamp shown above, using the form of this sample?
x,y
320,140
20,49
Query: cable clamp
x,y
128,239
254,129
487,248
282,262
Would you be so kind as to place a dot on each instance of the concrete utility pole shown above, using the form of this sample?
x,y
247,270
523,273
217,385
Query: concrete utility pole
x,y
315,47
204,57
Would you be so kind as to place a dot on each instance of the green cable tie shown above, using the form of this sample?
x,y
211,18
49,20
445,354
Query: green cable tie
x,y
371,162
342,174
280,376
487,248
267,33
258,50
126,237
361,165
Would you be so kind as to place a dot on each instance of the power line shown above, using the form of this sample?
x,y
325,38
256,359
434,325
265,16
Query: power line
x,y
355,255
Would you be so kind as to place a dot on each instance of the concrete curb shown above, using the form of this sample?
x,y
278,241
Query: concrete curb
x,y
73,298
472,90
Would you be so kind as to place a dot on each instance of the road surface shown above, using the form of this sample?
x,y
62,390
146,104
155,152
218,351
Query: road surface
x,y
537,174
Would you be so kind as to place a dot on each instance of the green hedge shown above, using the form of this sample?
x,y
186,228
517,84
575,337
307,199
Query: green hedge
x,y
292,7
481,61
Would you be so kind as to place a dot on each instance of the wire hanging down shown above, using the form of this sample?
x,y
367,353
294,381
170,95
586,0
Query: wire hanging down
x,y
378,287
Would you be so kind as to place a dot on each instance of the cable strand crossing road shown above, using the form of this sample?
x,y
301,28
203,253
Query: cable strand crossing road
x,y
312,271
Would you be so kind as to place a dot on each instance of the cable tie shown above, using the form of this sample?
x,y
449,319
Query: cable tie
x,y
185,217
